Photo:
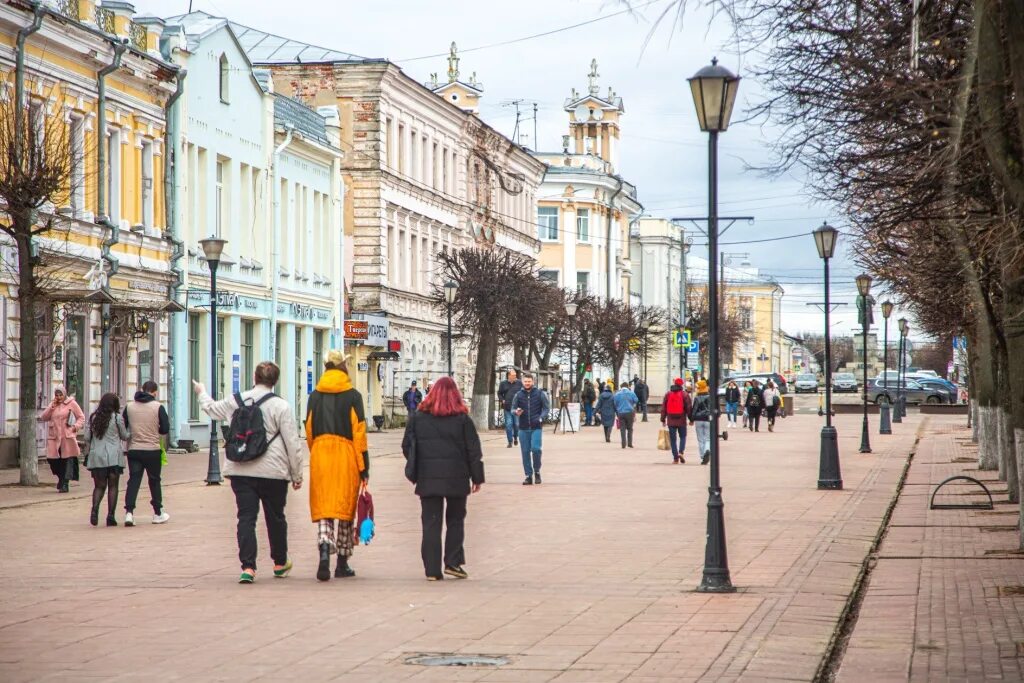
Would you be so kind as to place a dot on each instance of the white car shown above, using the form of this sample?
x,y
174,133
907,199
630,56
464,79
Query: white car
x,y
844,381
806,382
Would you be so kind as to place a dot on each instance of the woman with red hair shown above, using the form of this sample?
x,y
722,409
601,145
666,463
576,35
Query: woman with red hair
x,y
443,456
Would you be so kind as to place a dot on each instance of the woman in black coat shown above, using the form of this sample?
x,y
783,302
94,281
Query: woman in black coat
x,y
443,456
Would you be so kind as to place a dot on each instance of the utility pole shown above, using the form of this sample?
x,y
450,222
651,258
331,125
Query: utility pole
x,y
536,143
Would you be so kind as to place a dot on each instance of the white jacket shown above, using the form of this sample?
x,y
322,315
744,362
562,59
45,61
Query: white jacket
x,y
283,459
769,397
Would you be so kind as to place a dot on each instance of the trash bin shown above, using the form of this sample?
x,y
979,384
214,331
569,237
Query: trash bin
x,y
787,406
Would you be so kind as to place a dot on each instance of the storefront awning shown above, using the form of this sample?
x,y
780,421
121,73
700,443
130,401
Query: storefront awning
x,y
383,355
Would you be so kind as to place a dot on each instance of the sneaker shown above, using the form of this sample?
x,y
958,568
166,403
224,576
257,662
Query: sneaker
x,y
457,572
536,478
528,481
246,577
705,458
283,571
435,578
161,518
515,440
509,444
129,519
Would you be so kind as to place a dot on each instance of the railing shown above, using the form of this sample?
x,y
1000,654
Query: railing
x,y
105,20
137,36
69,8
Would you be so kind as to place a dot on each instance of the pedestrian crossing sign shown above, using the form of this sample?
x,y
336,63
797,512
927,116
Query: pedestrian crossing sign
x,y
681,338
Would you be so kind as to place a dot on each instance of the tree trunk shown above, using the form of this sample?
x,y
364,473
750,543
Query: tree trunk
x,y
28,456
482,381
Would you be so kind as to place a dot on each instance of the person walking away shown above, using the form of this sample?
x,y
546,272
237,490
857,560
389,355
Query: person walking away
x,y
605,411
105,455
263,479
531,406
675,410
442,446
754,405
507,390
743,402
643,393
732,403
412,398
64,419
625,410
148,426
588,396
339,463
700,417
771,403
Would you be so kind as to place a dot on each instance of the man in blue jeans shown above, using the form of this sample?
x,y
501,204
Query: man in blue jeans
x,y
675,411
531,406
507,390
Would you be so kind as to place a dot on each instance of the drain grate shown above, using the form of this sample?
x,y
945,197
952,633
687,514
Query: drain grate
x,y
1011,590
456,660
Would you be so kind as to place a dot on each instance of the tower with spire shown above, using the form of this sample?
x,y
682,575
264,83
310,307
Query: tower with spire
x,y
594,120
464,94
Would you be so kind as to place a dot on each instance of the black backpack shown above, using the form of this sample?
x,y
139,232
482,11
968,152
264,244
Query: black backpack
x,y
246,438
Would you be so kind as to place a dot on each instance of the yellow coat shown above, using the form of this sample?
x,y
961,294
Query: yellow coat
x,y
338,458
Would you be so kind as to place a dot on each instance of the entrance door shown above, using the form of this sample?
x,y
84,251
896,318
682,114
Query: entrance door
x,y
119,368
44,393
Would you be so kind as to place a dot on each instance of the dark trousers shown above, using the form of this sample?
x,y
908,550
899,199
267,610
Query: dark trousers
x,y
626,428
249,493
139,462
753,419
643,410
607,431
454,518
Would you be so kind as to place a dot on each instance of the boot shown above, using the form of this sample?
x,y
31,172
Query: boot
x,y
94,516
343,571
323,572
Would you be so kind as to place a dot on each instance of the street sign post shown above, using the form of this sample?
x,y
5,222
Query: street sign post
x,y
681,338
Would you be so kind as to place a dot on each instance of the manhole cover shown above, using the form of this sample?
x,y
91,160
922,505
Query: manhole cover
x,y
456,660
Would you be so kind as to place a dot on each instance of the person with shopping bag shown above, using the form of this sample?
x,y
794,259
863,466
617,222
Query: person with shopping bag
x,y
65,420
675,409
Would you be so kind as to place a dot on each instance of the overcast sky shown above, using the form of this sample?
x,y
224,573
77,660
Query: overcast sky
x,y
663,152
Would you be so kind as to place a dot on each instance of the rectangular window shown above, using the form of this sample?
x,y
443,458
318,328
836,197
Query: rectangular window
x,y
401,149
299,369
583,281
278,334
746,317
114,176
248,367
425,154
444,170
318,351
414,263
77,179
583,225
389,142
75,346
219,202
414,162
149,354
548,276
147,183
547,222
193,362
745,365
392,257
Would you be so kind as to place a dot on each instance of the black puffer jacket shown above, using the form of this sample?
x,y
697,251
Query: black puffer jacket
x,y
448,454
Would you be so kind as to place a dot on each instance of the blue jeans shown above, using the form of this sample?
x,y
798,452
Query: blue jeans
x,y
673,434
530,442
703,429
511,426
731,410
588,409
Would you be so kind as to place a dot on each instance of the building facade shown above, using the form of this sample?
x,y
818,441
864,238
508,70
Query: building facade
x,y
262,172
423,176
94,76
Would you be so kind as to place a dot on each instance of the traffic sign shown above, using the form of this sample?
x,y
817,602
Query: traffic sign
x,y
681,338
694,347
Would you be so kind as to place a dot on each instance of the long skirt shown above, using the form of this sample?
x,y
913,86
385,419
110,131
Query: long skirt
x,y
62,467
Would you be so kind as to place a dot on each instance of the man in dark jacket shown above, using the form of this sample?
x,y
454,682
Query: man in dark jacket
x,y
643,392
675,407
588,396
507,390
531,406
412,398
147,422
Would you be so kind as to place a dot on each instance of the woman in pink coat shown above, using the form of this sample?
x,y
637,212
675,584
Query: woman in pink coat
x,y
64,419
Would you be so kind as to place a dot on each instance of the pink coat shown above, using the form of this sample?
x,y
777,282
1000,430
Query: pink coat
x,y
60,438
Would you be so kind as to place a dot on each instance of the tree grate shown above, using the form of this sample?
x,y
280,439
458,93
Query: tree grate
x,y
440,659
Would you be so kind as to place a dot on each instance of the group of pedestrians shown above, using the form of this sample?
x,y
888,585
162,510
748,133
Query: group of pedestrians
x,y
756,401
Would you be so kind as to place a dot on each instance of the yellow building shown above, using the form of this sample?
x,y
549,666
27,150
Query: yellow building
x,y
107,255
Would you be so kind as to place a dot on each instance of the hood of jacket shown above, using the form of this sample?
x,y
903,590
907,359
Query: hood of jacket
x,y
143,397
675,387
333,382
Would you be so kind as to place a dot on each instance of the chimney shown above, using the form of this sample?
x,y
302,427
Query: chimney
x,y
332,118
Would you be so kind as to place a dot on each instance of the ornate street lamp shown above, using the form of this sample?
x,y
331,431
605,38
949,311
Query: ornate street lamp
x,y
884,424
829,474
451,288
864,288
213,248
901,373
570,310
714,94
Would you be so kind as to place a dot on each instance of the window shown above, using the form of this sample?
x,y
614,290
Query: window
x,y
425,160
225,73
248,341
389,142
548,276
414,162
278,334
147,183
75,344
114,176
219,199
193,362
298,372
401,149
149,350
318,351
435,176
547,222
77,179
745,365
583,281
746,317
444,170
583,225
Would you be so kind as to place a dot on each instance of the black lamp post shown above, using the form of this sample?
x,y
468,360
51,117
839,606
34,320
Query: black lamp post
x,y
714,94
897,411
884,424
451,288
829,474
570,310
864,288
213,247
901,379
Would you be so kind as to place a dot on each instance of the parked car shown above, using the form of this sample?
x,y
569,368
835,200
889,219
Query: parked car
x,y
924,373
806,382
762,378
845,381
951,390
913,391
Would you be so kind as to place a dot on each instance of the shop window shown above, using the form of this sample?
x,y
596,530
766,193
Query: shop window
x,y
194,330
74,359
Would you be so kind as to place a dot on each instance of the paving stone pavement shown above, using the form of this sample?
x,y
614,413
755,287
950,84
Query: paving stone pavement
x,y
588,577
945,598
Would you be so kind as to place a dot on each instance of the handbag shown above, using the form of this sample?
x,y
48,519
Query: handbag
x,y
364,529
70,422
663,444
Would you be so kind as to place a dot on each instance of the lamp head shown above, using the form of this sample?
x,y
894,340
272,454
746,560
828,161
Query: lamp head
x,y
864,284
213,247
570,308
714,93
451,288
825,239
902,322
886,309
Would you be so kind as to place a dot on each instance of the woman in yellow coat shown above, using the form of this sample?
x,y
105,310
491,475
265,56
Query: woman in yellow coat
x,y
338,463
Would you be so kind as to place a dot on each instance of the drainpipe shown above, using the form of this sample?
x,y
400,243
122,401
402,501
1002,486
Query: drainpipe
x,y
178,247
19,69
608,240
275,254
101,204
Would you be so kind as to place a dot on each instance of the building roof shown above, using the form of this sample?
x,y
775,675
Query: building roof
x,y
268,48
307,122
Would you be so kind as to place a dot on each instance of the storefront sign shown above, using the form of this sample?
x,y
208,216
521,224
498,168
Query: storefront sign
x,y
144,286
305,311
357,329
236,364
372,330
362,366
309,377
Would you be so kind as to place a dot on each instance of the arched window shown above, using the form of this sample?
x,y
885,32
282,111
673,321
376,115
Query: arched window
x,y
225,71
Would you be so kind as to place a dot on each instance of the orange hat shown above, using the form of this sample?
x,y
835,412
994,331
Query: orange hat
x,y
702,387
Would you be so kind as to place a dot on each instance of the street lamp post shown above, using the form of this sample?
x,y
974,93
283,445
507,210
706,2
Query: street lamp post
x,y
901,379
864,287
451,288
884,424
714,94
829,474
213,247
570,310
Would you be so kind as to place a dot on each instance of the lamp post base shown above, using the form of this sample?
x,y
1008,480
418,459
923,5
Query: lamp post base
x,y
213,476
716,565
829,476
897,414
884,425
865,439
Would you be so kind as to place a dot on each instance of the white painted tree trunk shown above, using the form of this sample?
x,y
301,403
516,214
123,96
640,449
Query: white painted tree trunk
x,y
972,406
1002,443
1009,455
479,412
987,439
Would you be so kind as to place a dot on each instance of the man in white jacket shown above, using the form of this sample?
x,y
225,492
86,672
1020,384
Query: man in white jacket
x,y
263,479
